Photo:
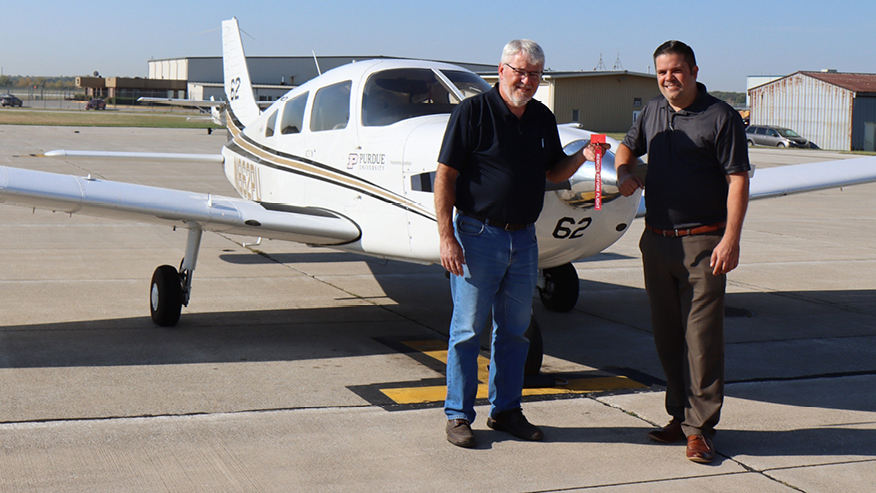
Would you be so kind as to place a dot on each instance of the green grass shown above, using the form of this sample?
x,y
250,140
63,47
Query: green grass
x,y
9,116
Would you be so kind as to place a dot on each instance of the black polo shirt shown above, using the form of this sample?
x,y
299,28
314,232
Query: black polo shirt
x,y
690,153
501,159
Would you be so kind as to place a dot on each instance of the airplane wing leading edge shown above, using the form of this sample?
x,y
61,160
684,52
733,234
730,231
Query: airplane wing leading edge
x,y
808,177
167,156
117,200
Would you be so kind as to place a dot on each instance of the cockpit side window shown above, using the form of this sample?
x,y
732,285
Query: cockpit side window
x,y
293,115
394,95
331,107
269,127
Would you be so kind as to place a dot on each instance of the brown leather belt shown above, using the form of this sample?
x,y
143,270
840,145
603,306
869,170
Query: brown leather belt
x,y
496,224
709,228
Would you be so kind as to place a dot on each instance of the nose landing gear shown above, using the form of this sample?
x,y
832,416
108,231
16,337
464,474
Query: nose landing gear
x,y
558,288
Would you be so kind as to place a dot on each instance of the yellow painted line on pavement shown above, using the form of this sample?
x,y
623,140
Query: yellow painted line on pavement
x,y
436,393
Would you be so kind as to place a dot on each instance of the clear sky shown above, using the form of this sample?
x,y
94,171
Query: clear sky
x,y
731,39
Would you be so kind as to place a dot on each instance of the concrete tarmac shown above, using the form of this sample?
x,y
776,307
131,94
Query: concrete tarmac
x,y
276,378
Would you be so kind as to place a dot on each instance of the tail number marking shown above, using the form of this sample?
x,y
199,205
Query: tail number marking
x,y
247,180
234,89
564,228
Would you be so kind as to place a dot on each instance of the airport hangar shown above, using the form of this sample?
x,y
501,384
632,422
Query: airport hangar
x,y
835,110
606,101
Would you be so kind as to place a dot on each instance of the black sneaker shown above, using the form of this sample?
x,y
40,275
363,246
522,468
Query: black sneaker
x,y
514,422
459,433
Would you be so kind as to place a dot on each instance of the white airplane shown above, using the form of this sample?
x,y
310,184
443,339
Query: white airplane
x,y
347,161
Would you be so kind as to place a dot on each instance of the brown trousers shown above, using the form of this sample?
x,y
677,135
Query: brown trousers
x,y
687,319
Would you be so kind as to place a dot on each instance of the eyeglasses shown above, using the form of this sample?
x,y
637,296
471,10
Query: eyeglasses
x,y
523,74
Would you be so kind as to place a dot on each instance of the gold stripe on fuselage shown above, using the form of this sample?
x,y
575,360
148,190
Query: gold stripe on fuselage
x,y
327,173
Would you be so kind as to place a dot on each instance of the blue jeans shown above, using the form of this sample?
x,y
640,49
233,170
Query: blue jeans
x,y
501,269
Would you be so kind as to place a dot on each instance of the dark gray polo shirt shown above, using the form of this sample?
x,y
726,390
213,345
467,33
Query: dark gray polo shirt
x,y
501,159
690,154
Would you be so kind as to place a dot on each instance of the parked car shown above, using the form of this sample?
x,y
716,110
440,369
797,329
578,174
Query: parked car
x,y
9,100
768,135
96,104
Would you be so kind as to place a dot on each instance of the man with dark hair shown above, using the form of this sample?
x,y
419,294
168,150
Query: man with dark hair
x,y
498,148
677,47
696,198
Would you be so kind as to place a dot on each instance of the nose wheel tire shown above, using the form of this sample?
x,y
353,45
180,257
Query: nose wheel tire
x,y
560,291
166,296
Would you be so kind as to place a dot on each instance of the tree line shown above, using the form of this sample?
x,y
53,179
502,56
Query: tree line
x,y
38,82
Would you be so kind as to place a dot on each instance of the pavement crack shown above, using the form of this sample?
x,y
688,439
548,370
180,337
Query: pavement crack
x,y
749,469
31,422
642,482
804,377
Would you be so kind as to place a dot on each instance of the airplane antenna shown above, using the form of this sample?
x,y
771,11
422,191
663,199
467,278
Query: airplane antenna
x,y
318,71
219,29
248,34
204,32
600,65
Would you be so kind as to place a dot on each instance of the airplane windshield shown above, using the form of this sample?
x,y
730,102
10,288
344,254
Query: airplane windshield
x,y
395,95
468,83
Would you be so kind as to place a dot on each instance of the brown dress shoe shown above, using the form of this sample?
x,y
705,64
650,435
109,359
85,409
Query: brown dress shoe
x,y
459,433
670,433
514,422
700,449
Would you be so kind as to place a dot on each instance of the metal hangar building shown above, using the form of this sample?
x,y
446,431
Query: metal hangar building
x,y
835,110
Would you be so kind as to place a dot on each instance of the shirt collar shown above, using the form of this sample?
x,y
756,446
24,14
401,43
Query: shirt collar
x,y
497,101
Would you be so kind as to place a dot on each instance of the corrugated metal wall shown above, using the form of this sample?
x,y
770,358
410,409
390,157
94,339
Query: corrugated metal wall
x,y
864,111
819,111
605,103
169,69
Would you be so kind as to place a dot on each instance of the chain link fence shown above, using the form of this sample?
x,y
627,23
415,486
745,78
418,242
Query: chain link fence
x,y
43,97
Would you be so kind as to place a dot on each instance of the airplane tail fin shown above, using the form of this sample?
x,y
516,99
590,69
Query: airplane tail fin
x,y
242,105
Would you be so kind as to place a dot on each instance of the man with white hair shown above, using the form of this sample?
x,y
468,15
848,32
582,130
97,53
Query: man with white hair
x,y
498,149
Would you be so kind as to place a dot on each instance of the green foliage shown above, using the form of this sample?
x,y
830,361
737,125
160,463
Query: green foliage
x,y
47,82
124,101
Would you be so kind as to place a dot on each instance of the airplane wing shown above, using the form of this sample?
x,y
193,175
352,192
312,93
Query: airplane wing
x,y
195,103
169,156
215,107
189,103
808,177
93,197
